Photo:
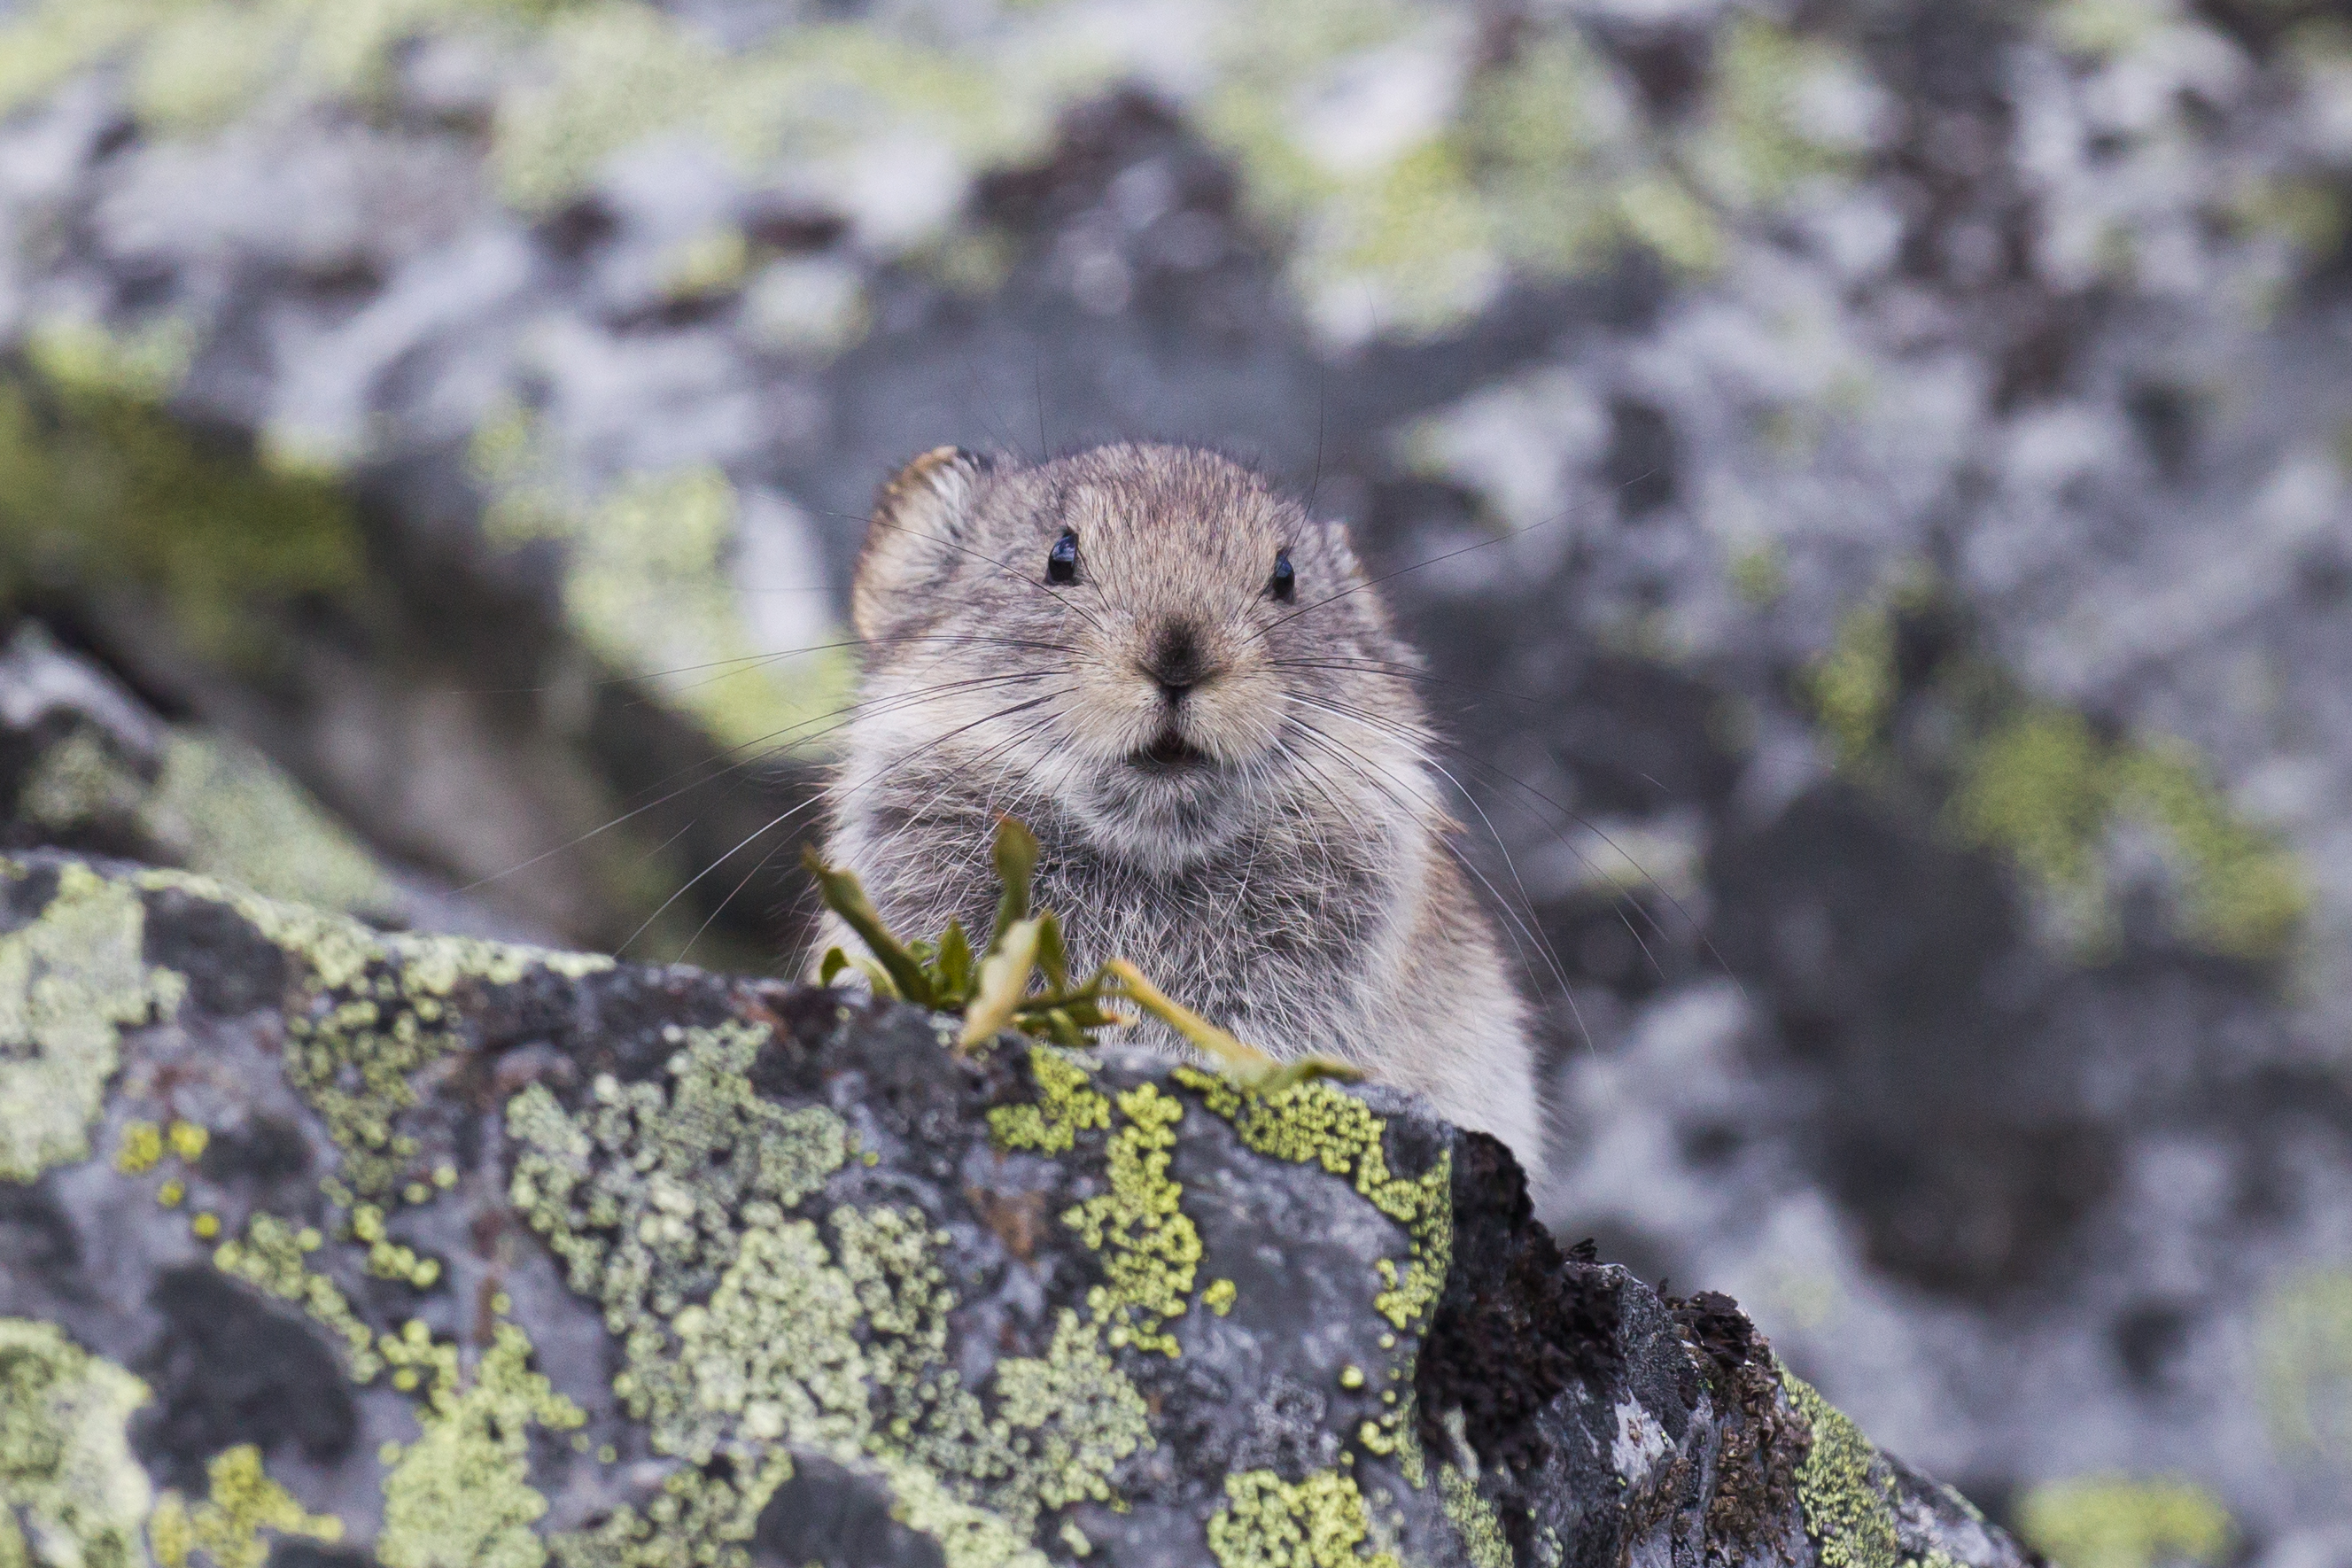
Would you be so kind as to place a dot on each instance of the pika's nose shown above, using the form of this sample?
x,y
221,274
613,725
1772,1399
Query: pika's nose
x,y
1176,663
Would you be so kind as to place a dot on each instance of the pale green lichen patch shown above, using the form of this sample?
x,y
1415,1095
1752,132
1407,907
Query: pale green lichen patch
x,y
2118,1521
1786,108
240,1502
77,782
1843,1488
70,982
1316,1523
2303,1346
648,583
2045,790
2033,781
461,1493
615,74
215,806
223,810
374,1010
747,1330
71,1493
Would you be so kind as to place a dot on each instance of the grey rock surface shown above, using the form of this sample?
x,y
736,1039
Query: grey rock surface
x,y
421,1250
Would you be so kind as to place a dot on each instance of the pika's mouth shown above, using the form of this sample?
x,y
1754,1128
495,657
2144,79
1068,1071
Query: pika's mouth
x,y
1169,753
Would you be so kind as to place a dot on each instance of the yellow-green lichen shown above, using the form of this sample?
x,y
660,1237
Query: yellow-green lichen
x,y
1065,1106
70,981
240,1502
745,1329
271,1258
1852,685
1760,573
140,1149
1148,1245
2303,1346
389,1259
1316,1523
2033,781
1318,1122
1151,1248
1482,1528
461,1493
2043,789
2117,1521
1847,1491
71,1494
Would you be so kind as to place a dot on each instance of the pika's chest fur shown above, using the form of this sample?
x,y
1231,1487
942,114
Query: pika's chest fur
x,y
1281,939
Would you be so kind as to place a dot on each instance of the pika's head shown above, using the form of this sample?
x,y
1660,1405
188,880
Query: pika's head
x,y
1152,638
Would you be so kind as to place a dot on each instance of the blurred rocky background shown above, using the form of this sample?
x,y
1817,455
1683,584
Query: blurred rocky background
x,y
1873,477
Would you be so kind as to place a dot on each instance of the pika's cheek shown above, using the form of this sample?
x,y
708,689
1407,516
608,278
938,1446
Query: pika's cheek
x,y
1237,719
1110,713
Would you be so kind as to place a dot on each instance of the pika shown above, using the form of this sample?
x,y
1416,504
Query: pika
x,y
1189,691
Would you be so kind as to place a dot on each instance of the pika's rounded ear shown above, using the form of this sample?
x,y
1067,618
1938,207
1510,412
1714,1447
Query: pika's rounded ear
x,y
915,536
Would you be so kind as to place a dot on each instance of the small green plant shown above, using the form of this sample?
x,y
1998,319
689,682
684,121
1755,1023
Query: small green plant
x,y
997,987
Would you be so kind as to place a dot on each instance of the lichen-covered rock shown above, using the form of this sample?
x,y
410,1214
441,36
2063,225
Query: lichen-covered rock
x,y
446,1252
84,764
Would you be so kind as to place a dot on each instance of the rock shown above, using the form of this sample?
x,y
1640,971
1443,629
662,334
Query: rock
x,y
319,1243
84,764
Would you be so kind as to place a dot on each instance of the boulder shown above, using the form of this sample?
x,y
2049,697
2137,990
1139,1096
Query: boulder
x,y
324,1244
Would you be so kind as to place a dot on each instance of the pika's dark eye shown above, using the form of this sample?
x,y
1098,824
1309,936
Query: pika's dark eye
x,y
1284,583
1062,561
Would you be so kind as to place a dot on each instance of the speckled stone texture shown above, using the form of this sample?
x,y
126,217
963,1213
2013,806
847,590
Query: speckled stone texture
x,y
423,1250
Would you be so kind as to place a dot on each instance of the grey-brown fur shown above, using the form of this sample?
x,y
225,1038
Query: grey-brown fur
x,y
1297,887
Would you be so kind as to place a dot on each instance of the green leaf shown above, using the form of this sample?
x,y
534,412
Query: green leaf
x,y
835,961
1051,956
1289,1075
1016,855
844,895
1003,985
955,966
1247,1064
876,975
